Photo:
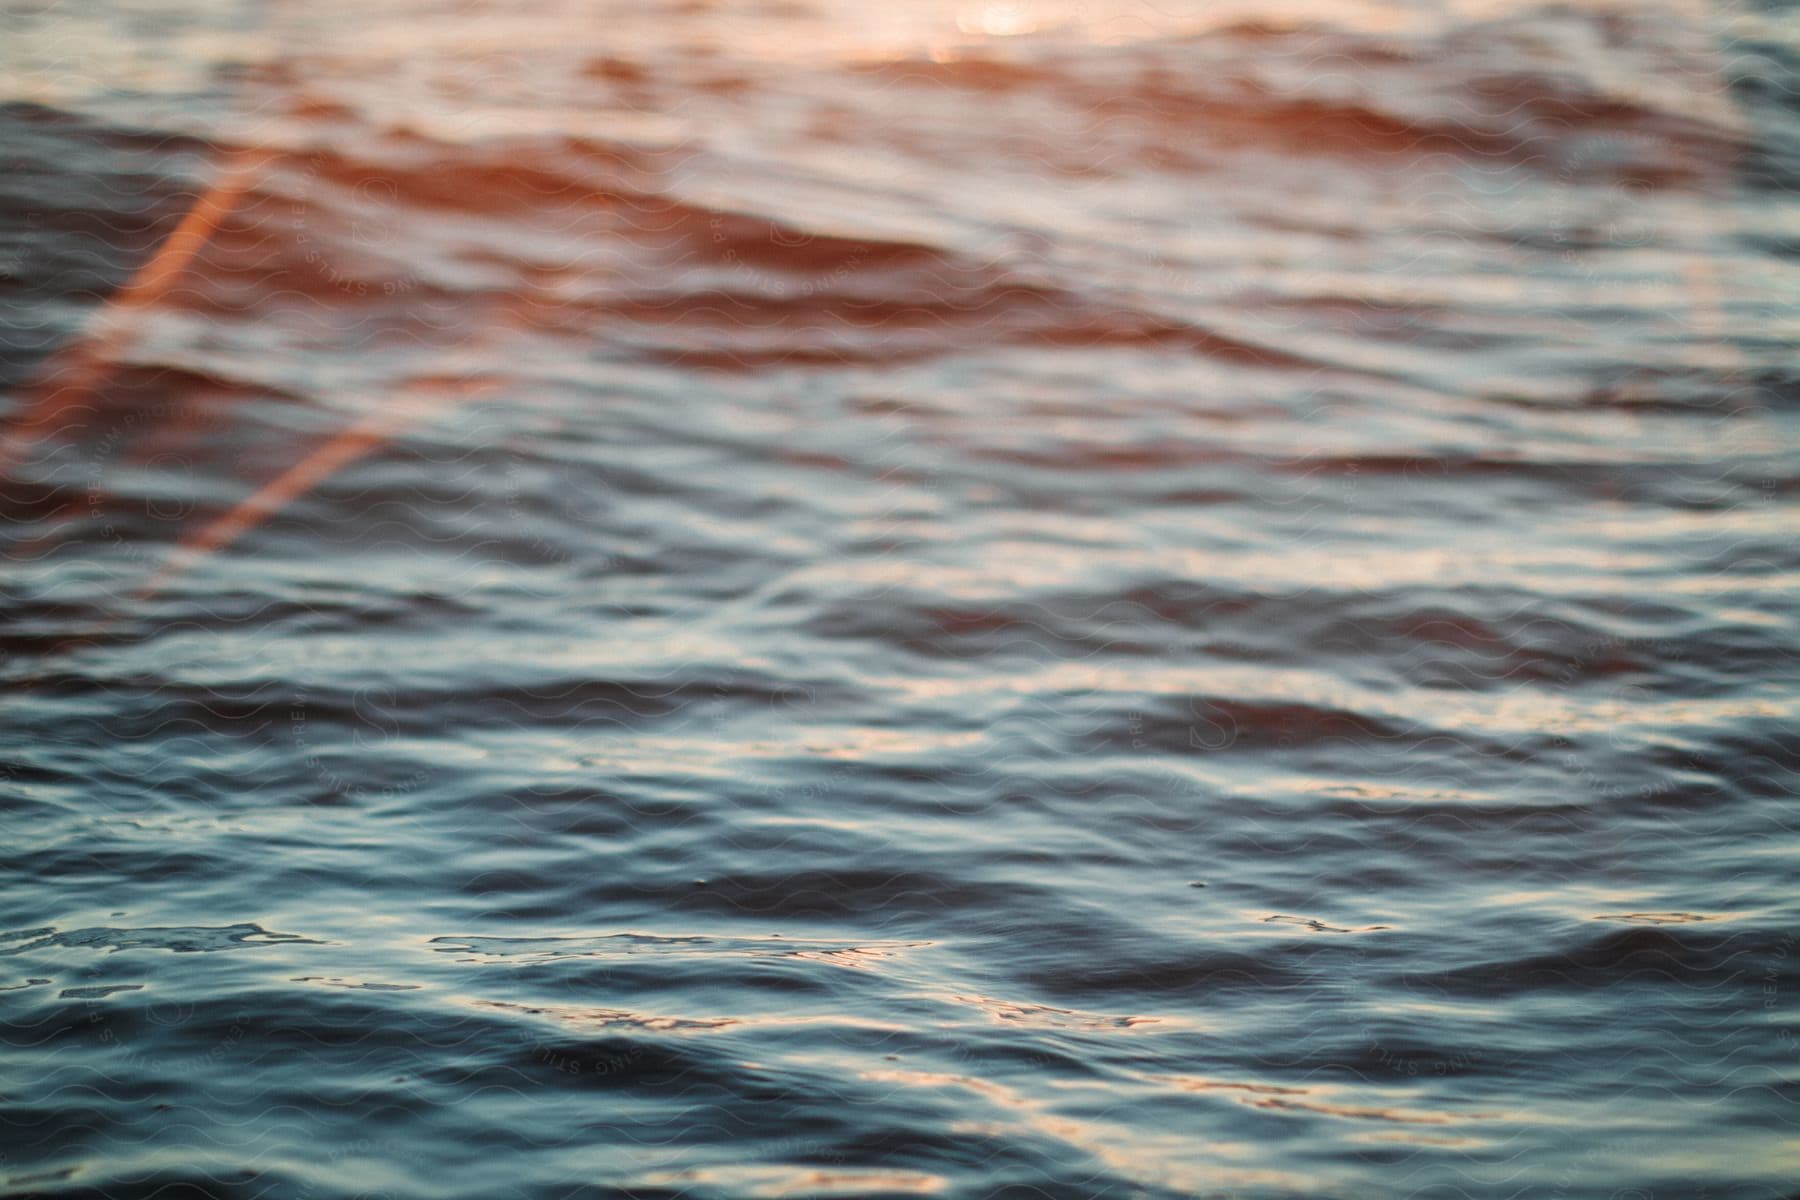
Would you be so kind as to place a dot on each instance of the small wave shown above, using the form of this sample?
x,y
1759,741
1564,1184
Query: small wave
x,y
197,939
1648,956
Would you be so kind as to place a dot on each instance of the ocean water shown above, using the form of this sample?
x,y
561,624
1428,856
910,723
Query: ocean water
x,y
795,598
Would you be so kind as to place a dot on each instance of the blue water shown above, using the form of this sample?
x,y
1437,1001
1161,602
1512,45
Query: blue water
x,y
1023,600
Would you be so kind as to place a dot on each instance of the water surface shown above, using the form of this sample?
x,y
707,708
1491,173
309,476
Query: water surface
x,y
1017,600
